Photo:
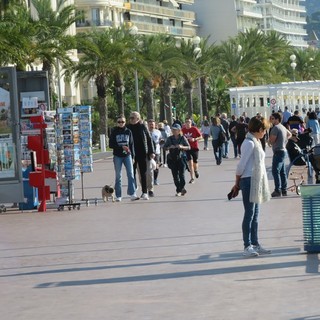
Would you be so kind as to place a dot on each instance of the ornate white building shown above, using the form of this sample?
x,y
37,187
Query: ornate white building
x,y
223,19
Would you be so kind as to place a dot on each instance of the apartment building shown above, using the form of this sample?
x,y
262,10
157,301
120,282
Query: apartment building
x,y
223,19
149,16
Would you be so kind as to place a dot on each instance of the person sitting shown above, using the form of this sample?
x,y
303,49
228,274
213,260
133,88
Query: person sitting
x,y
305,140
294,151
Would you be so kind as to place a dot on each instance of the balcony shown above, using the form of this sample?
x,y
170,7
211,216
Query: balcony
x,y
159,28
248,11
186,1
97,3
161,11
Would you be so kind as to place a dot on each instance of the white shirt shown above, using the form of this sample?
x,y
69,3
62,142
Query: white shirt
x,y
156,137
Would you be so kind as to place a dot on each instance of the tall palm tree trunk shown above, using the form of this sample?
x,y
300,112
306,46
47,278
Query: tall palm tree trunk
x,y
166,86
188,89
48,67
119,88
204,97
148,99
101,83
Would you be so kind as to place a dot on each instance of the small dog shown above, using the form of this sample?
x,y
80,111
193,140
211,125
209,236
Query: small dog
x,y
107,193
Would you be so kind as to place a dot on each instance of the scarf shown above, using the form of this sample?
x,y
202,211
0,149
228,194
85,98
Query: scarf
x,y
259,190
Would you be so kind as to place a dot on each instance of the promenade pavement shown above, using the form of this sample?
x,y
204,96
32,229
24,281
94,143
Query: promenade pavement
x,y
166,258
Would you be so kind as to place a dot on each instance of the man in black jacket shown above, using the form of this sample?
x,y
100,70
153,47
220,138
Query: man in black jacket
x,y
121,141
143,148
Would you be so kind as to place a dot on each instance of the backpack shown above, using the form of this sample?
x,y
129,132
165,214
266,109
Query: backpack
x,y
222,137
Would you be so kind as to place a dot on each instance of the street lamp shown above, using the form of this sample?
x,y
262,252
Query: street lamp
x,y
197,54
134,31
293,65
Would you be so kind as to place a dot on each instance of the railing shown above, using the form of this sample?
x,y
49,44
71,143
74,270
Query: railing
x,y
167,12
159,28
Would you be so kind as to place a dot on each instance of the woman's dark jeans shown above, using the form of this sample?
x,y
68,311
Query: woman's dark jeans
x,y
251,214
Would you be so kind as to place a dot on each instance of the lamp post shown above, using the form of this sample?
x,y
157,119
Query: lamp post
x,y
293,65
134,31
197,54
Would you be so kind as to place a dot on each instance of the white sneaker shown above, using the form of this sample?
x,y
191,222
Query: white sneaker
x,y
144,196
250,252
165,165
261,250
134,197
178,194
118,199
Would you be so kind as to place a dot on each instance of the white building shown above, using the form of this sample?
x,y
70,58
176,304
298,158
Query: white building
x,y
223,19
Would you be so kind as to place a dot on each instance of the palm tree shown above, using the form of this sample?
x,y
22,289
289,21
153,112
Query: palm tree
x,y
163,62
307,64
52,42
104,59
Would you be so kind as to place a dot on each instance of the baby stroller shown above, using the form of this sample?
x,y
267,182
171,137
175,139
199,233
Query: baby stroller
x,y
315,161
299,171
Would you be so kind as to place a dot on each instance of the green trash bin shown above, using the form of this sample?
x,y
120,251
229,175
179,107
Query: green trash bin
x,y
310,195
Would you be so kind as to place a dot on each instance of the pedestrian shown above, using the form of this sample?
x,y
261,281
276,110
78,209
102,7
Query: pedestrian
x,y
163,152
225,123
121,141
252,180
278,139
177,145
215,131
205,131
143,149
232,133
152,175
193,135
285,116
313,124
241,131
296,122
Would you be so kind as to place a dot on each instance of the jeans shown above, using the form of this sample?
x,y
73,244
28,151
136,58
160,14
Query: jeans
x,y
279,171
178,173
225,149
205,141
127,162
251,214
217,151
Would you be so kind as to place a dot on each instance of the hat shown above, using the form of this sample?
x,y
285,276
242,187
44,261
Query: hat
x,y
294,132
176,126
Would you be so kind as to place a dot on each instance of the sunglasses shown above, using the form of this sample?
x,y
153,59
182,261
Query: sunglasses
x,y
121,121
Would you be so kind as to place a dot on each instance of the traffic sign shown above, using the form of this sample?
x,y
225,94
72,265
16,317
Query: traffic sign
x,y
273,101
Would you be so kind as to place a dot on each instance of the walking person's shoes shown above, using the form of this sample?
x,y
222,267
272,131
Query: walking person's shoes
x,y
144,196
156,182
261,250
151,193
191,181
118,199
183,192
284,193
275,194
250,252
134,197
178,194
196,173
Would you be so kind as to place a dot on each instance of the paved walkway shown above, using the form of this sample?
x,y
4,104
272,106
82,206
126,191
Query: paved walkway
x,y
166,258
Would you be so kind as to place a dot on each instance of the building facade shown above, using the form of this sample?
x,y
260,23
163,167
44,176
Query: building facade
x,y
223,19
149,16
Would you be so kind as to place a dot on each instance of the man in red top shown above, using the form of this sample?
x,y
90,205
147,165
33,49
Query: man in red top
x,y
192,134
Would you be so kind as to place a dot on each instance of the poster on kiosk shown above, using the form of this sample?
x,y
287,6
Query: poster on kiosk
x,y
11,186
